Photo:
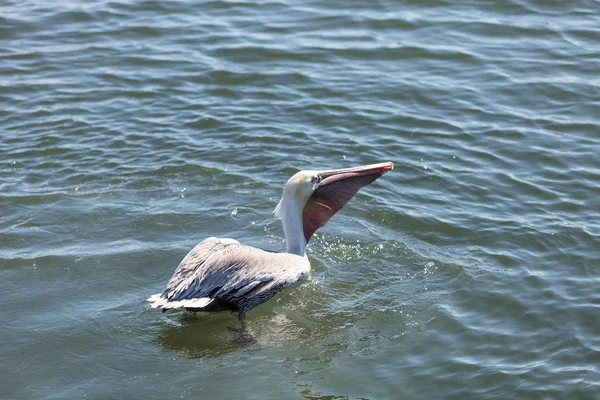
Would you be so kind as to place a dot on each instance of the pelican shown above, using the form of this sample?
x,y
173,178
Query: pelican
x,y
224,274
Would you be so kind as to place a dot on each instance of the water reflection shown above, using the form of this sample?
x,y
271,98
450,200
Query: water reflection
x,y
309,394
203,335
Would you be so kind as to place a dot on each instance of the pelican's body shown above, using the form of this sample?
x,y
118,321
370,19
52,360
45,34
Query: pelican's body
x,y
223,274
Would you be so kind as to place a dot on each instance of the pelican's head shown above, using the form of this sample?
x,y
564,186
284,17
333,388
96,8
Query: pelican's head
x,y
317,195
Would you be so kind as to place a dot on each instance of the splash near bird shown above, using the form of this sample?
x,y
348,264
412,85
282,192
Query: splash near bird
x,y
223,274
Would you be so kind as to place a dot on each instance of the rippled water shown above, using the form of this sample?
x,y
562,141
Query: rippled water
x,y
131,130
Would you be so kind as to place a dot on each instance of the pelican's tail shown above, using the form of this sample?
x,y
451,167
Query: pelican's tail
x,y
157,301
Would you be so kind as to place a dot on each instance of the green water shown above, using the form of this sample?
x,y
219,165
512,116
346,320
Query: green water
x,y
131,130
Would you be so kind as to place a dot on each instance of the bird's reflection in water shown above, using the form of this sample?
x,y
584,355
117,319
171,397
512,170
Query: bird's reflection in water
x,y
309,394
204,335
242,337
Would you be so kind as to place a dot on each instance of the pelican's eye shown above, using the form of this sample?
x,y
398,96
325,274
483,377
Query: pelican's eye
x,y
315,180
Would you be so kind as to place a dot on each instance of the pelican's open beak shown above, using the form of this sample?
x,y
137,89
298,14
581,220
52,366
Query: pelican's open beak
x,y
355,175
334,189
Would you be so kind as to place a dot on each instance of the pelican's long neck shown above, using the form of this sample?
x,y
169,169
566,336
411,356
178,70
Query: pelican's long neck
x,y
290,212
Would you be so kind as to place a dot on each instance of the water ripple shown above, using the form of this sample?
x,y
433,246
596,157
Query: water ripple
x,y
132,130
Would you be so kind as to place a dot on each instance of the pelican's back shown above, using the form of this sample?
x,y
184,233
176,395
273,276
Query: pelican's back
x,y
223,274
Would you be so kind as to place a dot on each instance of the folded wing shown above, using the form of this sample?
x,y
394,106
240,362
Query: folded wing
x,y
222,274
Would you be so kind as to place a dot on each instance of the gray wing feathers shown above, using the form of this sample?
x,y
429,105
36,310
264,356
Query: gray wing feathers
x,y
184,281
226,269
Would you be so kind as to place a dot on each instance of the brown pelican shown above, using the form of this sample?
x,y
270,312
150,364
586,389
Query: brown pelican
x,y
223,274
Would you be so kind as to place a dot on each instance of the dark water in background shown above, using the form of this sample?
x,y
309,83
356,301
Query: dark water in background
x,y
131,130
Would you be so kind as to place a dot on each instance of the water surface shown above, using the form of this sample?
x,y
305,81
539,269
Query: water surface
x,y
131,130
